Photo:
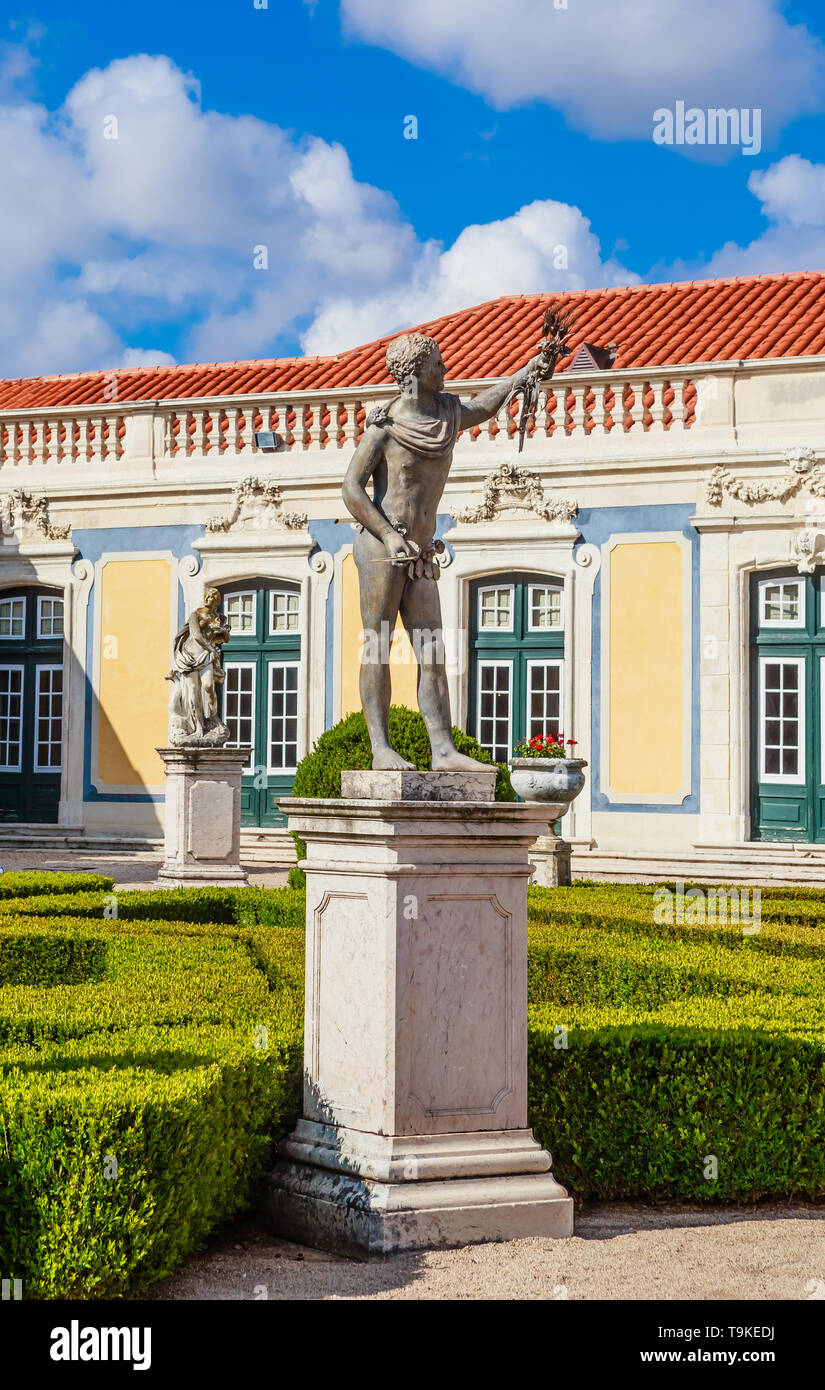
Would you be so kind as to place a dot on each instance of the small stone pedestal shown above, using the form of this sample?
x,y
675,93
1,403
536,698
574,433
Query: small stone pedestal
x,y
203,816
414,1132
551,857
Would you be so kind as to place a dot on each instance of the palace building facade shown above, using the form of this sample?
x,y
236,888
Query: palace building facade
x,y
645,576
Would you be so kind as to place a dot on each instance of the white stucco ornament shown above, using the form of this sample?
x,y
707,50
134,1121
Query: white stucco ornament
x,y
801,467
257,505
26,517
511,489
807,550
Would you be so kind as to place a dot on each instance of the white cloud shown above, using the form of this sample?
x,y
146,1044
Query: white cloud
x,y
607,64
104,242
59,335
792,194
146,357
545,246
793,190
132,208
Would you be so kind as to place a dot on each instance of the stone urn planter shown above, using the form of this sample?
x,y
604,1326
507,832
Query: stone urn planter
x,y
556,780
553,783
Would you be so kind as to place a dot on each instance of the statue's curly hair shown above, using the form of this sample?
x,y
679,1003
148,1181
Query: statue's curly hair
x,y
407,354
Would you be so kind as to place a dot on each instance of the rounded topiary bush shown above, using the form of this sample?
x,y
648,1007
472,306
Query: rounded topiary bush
x,y
347,745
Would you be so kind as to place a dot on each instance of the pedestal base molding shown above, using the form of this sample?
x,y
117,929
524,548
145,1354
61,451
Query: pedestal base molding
x,y
353,1216
202,835
551,857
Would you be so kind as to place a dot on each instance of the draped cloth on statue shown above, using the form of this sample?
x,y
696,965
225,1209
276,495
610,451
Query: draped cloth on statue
x,y
189,654
435,436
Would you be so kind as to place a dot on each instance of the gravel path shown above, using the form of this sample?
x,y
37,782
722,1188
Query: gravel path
x,y
129,870
618,1252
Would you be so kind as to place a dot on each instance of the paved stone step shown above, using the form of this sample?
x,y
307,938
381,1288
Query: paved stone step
x,y
775,864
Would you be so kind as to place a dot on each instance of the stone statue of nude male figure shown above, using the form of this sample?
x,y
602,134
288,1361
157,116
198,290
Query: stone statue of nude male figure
x,y
407,450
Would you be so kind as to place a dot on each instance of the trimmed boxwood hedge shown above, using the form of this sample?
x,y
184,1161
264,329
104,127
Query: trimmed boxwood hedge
x,y
137,1040
139,1108
37,955
635,1108
27,884
241,906
654,1047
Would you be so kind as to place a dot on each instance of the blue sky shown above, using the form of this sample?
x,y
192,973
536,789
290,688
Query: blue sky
x,y
257,195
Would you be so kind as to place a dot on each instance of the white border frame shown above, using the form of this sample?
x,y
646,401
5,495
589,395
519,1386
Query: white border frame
x,y
272,630
495,661
559,589
245,593
651,798
40,635
545,661
497,589
17,666
282,771
14,598
46,666
782,625
285,557
229,664
782,779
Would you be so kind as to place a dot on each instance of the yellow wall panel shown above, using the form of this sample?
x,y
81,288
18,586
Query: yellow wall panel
x,y
646,668
404,675
134,657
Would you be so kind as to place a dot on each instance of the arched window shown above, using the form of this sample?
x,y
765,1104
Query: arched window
x,y
262,690
516,678
31,703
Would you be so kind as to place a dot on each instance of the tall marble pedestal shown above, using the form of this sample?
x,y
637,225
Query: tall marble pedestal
x,y
414,1130
202,840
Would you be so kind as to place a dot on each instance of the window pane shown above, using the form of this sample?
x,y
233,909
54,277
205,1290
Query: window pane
x,y
782,602
545,607
283,716
496,608
49,616
494,695
782,728
11,709
240,612
285,611
543,699
239,707
48,719
12,617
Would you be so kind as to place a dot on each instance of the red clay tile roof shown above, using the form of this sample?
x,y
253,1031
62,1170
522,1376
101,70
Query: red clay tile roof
x,y
653,325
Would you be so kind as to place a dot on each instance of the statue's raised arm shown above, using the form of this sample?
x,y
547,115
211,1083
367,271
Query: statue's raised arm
x,y
404,457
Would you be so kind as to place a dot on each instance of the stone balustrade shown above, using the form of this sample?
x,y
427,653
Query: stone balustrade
x,y
73,435
336,420
603,411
